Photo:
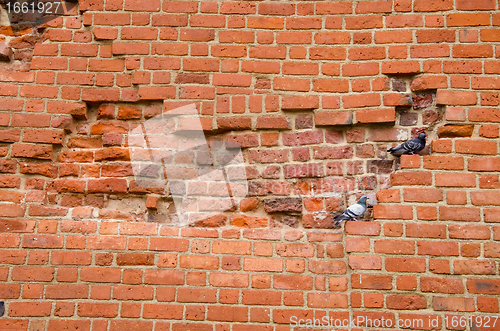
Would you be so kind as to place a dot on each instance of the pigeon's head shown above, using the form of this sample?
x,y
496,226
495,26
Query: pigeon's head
x,y
422,136
362,200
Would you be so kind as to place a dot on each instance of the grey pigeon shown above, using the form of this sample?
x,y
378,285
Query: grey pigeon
x,y
410,147
352,211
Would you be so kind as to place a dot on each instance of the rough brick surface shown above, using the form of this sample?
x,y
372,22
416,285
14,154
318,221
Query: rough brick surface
x,y
313,94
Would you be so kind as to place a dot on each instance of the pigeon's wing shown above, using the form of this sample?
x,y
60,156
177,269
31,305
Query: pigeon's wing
x,y
412,145
351,212
397,150
340,217
355,210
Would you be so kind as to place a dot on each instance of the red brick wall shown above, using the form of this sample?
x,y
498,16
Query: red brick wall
x,y
313,93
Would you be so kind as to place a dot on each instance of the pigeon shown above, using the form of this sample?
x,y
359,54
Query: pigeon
x,y
410,147
352,211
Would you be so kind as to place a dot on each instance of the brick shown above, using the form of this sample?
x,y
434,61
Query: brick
x,y
399,264
455,98
451,131
301,23
51,63
441,146
367,262
276,9
484,115
180,7
199,262
394,247
330,85
291,84
467,19
376,116
32,151
453,304
422,195
229,280
30,309
232,80
71,258
401,68
441,162
472,51
38,274
367,53
267,52
459,213
377,282
93,95
439,266
361,100
429,51
78,50
392,212
196,295
262,264
323,53
432,5
100,309
238,8
142,5
458,180
363,22
294,37
335,152
408,302
333,118
106,65
398,99
104,33
327,267
300,103
482,198
332,38
230,314
441,285
411,178
475,147
164,277
327,300
435,36
261,297
169,244
483,286
425,230
362,228
437,249
30,120
462,267
302,171
273,122
477,5
428,82
69,291
488,131
360,69
293,282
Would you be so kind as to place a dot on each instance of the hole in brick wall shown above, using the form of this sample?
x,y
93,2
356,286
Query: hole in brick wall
x,y
323,170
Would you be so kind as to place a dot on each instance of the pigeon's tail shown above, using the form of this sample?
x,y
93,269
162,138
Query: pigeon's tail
x,y
339,219
396,150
